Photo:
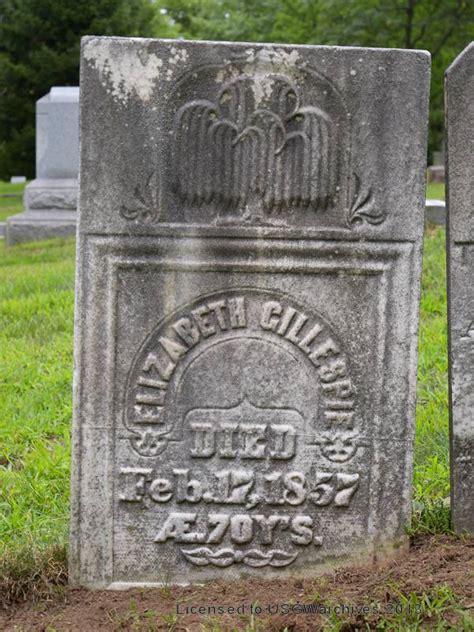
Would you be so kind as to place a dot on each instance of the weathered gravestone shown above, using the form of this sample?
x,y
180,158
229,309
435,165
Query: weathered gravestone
x,y
459,92
250,234
50,200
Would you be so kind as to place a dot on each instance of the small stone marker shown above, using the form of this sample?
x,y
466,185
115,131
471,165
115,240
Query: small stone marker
x,y
459,92
435,211
250,232
436,173
17,179
50,200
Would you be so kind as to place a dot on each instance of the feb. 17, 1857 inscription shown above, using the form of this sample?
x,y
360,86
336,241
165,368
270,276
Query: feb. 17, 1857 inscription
x,y
249,260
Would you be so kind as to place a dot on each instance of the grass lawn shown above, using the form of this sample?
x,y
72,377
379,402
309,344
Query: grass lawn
x,y
36,338
435,191
431,479
10,205
36,327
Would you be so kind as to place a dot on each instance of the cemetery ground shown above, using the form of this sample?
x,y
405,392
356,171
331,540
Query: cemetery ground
x,y
431,588
10,199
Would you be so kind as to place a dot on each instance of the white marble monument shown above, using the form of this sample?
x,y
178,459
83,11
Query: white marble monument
x,y
50,201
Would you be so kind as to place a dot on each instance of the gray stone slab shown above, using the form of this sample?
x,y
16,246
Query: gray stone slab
x,y
50,211
436,173
54,191
57,133
36,225
251,221
54,194
460,202
436,212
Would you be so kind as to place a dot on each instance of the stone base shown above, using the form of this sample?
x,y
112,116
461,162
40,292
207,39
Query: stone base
x,y
435,212
35,225
436,173
50,211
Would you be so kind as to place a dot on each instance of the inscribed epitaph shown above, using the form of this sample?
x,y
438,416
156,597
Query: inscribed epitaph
x,y
460,200
251,220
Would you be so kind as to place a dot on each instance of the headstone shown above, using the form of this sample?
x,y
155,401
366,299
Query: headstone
x,y
50,200
436,170
436,212
459,91
17,179
251,221
436,174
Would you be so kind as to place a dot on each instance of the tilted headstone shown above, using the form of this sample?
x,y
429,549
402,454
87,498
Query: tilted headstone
x,y
459,91
50,201
250,232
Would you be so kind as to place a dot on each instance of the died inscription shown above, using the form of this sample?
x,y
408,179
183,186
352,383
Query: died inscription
x,y
240,479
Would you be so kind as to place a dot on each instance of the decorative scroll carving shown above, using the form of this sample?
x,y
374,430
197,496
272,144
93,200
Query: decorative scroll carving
x,y
258,149
204,556
150,443
145,207
363,208
339,446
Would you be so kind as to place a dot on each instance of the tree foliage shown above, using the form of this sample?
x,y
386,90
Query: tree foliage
x,y
39,42
443,27
39,48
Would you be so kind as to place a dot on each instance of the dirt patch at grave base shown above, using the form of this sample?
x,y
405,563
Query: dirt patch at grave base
x,y
440,566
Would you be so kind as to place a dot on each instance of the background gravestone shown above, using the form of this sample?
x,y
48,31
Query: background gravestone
x,y
250,234
459,93
51,199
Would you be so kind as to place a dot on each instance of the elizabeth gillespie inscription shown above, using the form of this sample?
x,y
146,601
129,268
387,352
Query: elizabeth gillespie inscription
x,y
259,491
251,314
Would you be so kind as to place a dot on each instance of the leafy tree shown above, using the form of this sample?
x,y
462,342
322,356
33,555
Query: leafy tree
x,y
444,27
39,42
39,48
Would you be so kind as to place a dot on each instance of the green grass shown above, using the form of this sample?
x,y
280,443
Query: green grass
x,y
36,339
435,191
431,478
438,609
10,205
11,189
36,326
